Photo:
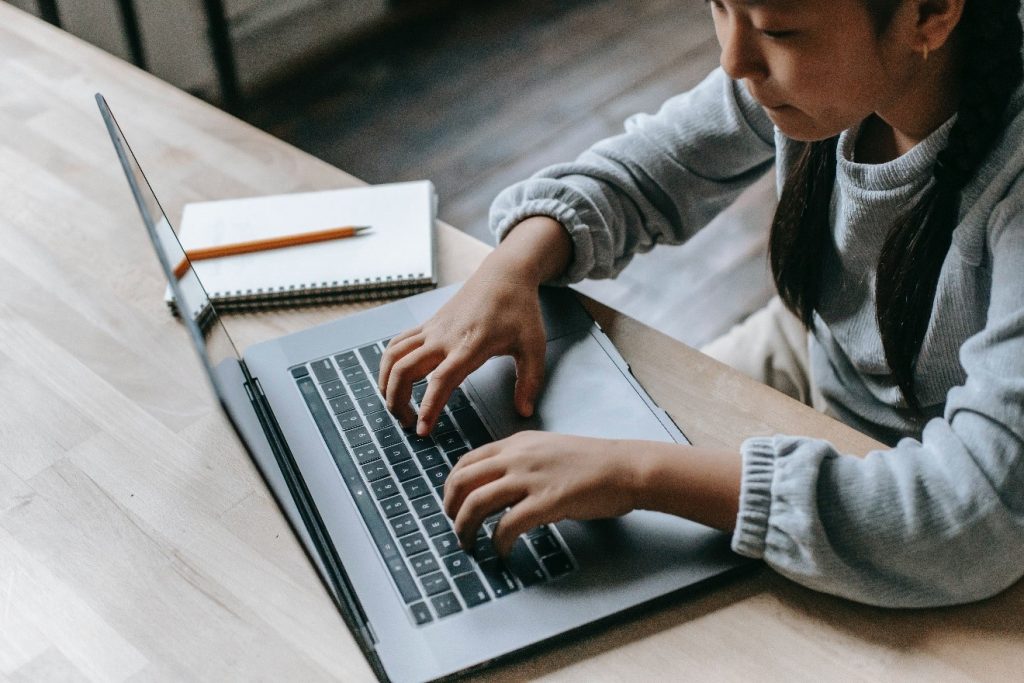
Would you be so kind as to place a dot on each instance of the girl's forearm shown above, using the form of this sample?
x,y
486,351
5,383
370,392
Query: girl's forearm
x,y
538,249
700,484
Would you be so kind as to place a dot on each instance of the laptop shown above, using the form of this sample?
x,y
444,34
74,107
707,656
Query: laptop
x,y
364,496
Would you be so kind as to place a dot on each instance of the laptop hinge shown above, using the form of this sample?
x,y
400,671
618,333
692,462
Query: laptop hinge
x,y
334,576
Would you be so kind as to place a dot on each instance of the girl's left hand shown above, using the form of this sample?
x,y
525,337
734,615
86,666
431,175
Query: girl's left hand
x,y
545,478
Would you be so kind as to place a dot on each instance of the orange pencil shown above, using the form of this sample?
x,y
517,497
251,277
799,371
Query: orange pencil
x,y
264,245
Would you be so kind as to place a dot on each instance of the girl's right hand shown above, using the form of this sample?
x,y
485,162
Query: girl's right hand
x,y
495,313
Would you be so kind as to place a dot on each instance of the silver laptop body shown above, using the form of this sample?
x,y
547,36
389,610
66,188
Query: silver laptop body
x,y
281,410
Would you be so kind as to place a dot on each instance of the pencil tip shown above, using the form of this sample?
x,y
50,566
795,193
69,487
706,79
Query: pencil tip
x,y
360,228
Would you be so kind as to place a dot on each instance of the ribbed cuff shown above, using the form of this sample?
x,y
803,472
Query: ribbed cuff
x,y
755,496
583,246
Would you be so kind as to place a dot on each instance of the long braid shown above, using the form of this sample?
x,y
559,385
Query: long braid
x,y
916,247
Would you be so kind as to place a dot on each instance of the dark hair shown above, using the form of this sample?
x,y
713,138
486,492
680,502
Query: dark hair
x,y
916,246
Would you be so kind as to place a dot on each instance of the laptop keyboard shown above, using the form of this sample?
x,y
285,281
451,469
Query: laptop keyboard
x,y
397,478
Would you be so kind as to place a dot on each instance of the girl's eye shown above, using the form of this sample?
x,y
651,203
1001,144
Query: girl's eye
x,y
777,35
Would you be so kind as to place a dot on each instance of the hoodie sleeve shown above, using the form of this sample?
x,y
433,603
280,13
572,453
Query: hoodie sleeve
x,y
661,181
935,521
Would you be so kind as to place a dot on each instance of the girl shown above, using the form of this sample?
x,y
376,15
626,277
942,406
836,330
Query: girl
x,y
898,245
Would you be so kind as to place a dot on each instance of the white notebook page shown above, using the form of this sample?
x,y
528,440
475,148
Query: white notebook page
x,y
399,247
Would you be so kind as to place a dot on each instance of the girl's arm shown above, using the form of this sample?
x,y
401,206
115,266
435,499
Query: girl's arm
x,y
661,181
933,522
547,477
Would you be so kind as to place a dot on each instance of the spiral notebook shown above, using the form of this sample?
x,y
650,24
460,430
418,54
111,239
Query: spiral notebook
x,y
394,258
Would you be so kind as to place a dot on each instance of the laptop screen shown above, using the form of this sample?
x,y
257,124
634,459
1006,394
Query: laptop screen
x,y
209,336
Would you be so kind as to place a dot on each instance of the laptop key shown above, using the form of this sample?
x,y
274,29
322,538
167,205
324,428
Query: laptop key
x,y
434,583
557,564
371,356
425,506
384,488
353,373
341,404
444,424
403,524
394,506
446,604
403,579
350,419
429,457
419,390
300,371
455,456
522,563
483,550
413,544
472,427
424,563
545,544
347,359
500,581
404,471
414,488
324,370
417,442
362,389
365,453
471,589
333,389
437,476
379,420
436,524
375,470
458,563
371,404
446,544
396,453
388,437
420,613
458,399
357,436
452,441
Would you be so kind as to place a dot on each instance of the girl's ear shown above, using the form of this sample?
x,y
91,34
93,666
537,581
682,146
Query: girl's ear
x,y
936,20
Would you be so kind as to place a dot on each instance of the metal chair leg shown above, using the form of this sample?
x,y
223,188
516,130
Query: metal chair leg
x,y
48,11
223,55
130,20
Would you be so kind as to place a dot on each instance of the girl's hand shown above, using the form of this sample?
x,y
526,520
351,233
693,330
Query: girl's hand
x,y
545,478
496,313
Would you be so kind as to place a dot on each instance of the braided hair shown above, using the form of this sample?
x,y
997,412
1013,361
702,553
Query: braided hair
x,y
916,247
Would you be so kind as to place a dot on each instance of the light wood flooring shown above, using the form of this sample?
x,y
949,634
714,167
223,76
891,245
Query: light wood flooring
x,y
483,95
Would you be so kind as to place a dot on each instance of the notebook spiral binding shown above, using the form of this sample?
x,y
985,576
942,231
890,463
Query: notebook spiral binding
x,y
343,291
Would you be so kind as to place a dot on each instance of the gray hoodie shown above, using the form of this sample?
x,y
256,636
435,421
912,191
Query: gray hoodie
x,y
936,519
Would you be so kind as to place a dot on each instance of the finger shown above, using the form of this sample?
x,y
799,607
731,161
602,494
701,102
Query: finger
x,y
529,376
478,454
409,369
482,503
525,515
465,480
443,380
404,335
395,351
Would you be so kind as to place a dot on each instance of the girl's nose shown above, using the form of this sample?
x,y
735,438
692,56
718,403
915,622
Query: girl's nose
x,y
740,57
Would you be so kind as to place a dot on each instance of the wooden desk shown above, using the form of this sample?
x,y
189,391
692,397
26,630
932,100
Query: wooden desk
x,y
136,540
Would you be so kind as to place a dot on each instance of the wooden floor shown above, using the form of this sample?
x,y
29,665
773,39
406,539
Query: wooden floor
x,y
486,94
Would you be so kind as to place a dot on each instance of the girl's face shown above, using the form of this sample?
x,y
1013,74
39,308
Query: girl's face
x,y
817,67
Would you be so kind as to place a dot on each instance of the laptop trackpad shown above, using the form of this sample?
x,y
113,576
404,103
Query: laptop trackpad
x,y
584,394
